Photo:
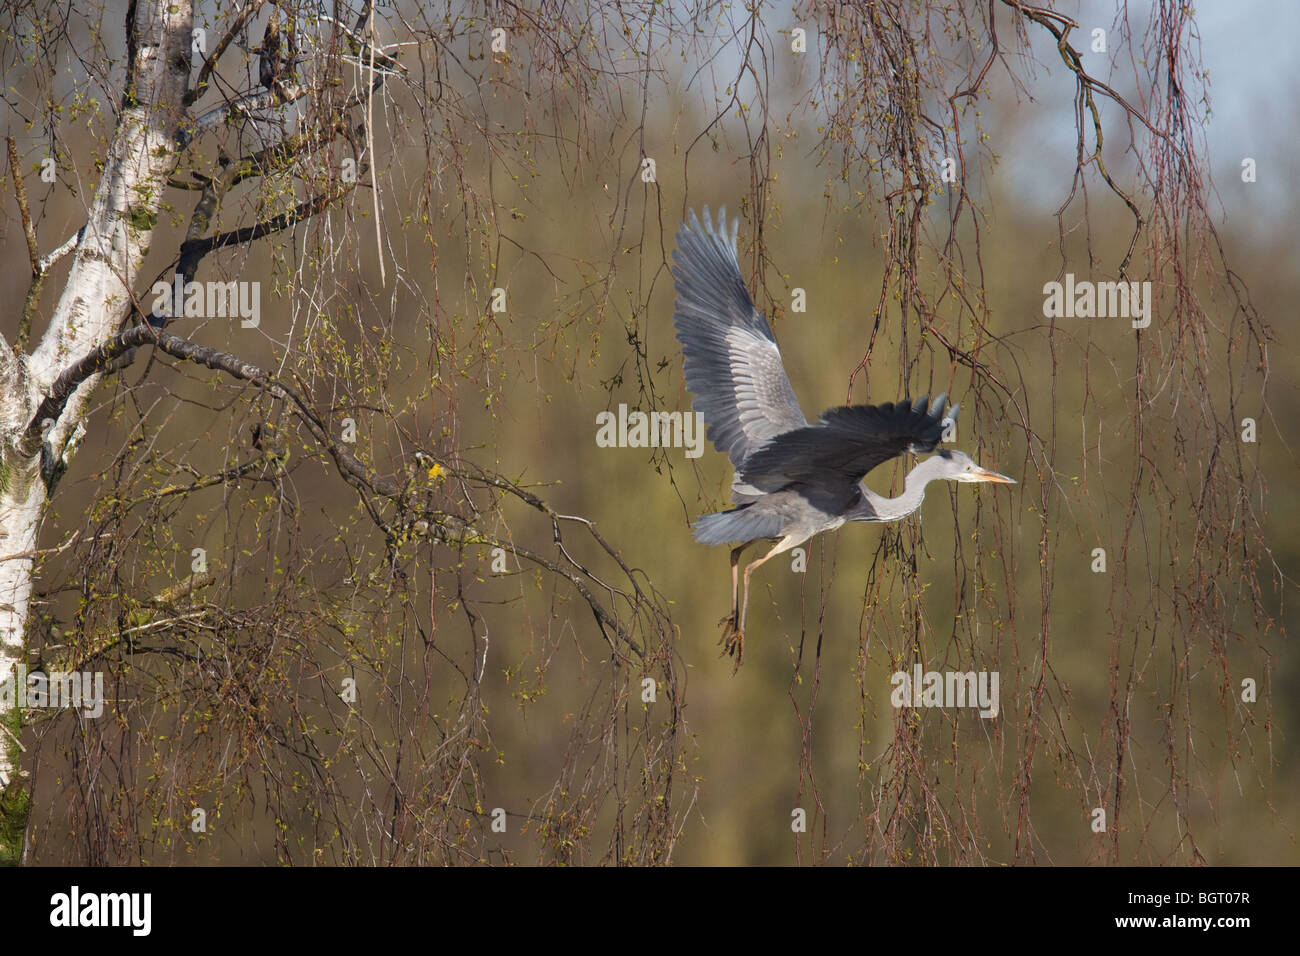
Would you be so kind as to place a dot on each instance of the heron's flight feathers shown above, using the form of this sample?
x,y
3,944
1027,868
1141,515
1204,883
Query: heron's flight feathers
x,y
745,523
732,363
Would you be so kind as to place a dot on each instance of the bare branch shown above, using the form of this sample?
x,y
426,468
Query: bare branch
x,y
29,230
33,250
241,107
193,249
210,64
67,246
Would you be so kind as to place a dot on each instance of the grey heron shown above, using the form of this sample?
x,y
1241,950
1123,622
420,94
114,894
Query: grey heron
x,y
793,479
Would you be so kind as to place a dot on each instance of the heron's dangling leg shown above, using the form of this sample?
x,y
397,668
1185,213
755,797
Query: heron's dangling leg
x,y
729,621
736,645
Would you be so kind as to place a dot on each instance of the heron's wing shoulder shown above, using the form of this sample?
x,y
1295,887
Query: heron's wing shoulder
x,y
732,363
847,442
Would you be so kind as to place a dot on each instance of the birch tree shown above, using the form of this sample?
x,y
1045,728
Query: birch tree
x,y
39,434
284,97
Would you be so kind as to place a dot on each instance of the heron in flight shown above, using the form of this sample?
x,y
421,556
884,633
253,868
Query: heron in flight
x,y
794,479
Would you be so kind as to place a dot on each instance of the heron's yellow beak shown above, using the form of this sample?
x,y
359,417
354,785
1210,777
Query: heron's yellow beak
x,y
985,475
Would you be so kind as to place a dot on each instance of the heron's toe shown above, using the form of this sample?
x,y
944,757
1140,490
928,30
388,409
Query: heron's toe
x,y
736,648
728,625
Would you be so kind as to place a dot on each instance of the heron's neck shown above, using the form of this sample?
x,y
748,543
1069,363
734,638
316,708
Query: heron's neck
x,y
874,507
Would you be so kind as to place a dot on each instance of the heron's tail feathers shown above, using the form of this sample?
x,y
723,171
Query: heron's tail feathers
x,y
745,523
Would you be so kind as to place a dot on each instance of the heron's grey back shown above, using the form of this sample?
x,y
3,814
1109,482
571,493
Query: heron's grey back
x,y
732,363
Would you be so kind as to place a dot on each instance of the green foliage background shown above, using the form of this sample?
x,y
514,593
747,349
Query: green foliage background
x,y
549,205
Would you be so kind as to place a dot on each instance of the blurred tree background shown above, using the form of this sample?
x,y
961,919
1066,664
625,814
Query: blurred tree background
x,y
523,169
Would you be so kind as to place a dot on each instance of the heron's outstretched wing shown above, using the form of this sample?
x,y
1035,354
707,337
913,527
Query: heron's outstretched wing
x,y
732,362
834,453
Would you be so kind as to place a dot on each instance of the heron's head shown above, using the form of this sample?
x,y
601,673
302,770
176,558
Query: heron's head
x,y
958,466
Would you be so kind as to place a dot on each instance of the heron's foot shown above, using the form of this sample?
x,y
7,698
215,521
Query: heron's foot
x,y
733,640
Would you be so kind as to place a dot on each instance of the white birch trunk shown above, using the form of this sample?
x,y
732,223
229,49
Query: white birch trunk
x,y
92,305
